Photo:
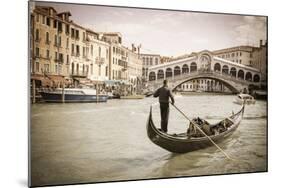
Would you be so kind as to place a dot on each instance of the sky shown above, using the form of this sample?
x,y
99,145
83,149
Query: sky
x,y
169,33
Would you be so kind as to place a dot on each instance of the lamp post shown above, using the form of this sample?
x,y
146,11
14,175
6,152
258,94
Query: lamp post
x,y
99,62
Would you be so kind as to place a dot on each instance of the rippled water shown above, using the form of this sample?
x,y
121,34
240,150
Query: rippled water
x,y
89,142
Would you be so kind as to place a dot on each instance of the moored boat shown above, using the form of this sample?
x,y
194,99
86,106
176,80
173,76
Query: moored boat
x,y
73,95
260,95
244,98
186,142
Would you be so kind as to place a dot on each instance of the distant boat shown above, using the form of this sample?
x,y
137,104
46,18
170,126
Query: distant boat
x,y
183,142
241,98
113,95
73,95
259,94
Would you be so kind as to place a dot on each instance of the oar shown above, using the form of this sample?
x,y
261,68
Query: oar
x,y
203,132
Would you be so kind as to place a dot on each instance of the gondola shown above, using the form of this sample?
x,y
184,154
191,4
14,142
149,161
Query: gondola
x,y
187,142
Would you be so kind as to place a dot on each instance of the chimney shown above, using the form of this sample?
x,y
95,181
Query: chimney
x,y
133,48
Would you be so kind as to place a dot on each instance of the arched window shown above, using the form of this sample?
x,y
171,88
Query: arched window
x,y
37,34
177,71
185,69
152,76
225,69
233,71
77,69
72,68
241,74
156,61
160,74
256,78
47,37
217,67
169,72
249,76
193,67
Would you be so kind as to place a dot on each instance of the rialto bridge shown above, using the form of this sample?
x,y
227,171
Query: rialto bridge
x,y
203,65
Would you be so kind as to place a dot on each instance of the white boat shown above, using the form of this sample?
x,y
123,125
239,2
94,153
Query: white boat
x,y
73,95
241,98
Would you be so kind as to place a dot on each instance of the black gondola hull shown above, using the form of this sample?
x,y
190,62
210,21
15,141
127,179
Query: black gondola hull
x,y
177,144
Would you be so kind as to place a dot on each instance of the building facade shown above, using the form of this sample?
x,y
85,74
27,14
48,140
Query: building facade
x,y
135,66
50,52
149,60
62,49
247,55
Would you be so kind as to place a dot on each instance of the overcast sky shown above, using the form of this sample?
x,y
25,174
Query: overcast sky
x,y
169,33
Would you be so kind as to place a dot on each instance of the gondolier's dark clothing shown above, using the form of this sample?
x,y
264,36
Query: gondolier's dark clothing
x,y
164,94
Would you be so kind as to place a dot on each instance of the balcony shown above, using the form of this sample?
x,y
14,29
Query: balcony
x,y
124,68
48,42
46,58
37,56
87,57
124,58
100,60
86,40
59,60
37,40
58,45
79,74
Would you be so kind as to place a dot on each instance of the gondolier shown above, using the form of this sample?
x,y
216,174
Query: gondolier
x,y
164,94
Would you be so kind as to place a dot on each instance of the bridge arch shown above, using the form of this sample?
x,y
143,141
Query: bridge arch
x,y
233,71
193,67
256,78
169,72
185,69
248,76
160,74
227,84
152,76
177,70
241,74
225,69
217,67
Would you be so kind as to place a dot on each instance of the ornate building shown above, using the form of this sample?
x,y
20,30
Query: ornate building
x,y
149,60
65,52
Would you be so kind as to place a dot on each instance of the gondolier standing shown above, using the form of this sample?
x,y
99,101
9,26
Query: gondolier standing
x,y
164,94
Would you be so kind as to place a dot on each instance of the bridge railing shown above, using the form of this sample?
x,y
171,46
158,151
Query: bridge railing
x,y
203,73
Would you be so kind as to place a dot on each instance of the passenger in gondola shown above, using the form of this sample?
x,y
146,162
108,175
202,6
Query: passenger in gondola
x,y
164,95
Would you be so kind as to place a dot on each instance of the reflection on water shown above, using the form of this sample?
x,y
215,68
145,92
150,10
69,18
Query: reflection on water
x,y
89,142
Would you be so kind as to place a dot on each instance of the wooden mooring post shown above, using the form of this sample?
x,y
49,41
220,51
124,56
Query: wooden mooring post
x,y
63,93
33,92
97,92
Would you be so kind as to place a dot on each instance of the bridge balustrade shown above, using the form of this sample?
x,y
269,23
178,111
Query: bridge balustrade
x,y
203,73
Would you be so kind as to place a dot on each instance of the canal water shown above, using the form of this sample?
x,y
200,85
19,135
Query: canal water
x,y
89,142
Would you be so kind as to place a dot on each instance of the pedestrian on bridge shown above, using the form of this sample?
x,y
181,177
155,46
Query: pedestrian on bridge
x,y
164,95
